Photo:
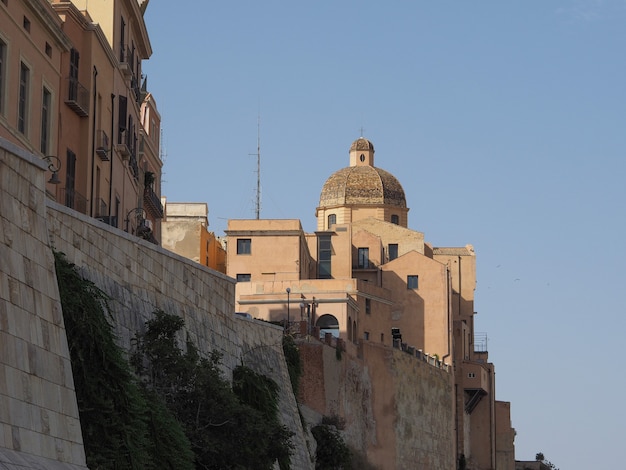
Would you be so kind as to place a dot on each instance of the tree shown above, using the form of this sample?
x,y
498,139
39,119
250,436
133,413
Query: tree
x,y
228,429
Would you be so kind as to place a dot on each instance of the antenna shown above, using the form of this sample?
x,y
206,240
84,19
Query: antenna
x,y
257,207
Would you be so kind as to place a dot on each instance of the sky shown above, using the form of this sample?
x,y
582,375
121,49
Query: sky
x,y
505,124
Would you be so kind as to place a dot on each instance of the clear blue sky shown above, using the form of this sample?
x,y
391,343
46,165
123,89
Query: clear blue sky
x,y
505,123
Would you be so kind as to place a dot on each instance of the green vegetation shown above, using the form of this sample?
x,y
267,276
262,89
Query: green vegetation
x,y
229,428
182,415
332,452
123,426
539,457
294,363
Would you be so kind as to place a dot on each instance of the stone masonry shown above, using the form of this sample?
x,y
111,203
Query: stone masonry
x,y
39,425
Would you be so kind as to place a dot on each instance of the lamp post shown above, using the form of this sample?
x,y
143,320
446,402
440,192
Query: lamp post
x,y
138,214
54,165
288,292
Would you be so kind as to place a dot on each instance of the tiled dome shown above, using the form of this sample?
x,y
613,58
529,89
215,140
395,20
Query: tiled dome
x,y
362,185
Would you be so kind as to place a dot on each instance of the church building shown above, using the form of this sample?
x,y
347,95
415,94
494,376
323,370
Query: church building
x,y
365,277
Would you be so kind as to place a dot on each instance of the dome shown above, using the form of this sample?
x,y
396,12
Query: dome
x,y
362,144
362,185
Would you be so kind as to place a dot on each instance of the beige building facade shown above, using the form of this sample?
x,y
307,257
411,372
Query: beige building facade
x,y
185,231
366,278
73,93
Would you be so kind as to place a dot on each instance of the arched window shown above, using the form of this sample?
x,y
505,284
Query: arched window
x,y
332,220
328,323
395,219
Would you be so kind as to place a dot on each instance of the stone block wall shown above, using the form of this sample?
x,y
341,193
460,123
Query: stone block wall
x,y
398,409
141,277
39,421
39,424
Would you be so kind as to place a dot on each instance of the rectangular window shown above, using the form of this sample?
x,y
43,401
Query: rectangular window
x,y
332,220
364,258
324,252
70,179
123,57
22,109
46,101
244,277
244,246
73,79
26,24
368,306
411,281
121,118
3,57
382,337
393,251
48,50
366,335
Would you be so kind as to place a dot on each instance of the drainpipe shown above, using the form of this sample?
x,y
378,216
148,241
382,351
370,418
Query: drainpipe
x,y
93,140
449,290
111,157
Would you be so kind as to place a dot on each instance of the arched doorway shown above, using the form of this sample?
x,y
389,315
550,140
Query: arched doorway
x,y
328,323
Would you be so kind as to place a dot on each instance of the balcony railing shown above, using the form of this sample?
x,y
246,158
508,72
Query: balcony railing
x,y
77,97
74,200
102,208
126,61
103,146
152,203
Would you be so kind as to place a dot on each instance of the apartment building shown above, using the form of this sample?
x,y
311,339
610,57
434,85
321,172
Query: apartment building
x,y
72,92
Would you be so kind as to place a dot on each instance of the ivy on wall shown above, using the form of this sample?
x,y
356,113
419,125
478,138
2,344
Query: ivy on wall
x,y
182,414
124,426
229,427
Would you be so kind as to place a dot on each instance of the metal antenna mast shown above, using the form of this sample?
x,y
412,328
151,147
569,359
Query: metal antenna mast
x,y
258,169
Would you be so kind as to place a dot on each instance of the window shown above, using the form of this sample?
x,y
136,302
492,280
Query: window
x,y
46,101
395,219
48,50
411,281
3,53
22,110
122,105
73,79
244,246
363,258
324,252
332,220
122,37
243,277
382,337
26,24
366,335
368,305
70,178
471,375
393,251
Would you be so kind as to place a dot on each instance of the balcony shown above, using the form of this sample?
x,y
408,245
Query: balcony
x,y
74,200
77,97
103,146
152,203
126,61
476,383
102,208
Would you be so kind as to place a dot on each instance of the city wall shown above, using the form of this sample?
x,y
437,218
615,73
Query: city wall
x,y
39,425
398,407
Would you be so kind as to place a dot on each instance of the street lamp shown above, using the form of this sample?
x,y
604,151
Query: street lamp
x,y
288,292
138,215
54,165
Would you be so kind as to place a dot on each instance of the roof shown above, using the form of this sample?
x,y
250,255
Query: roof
x,y
362,185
